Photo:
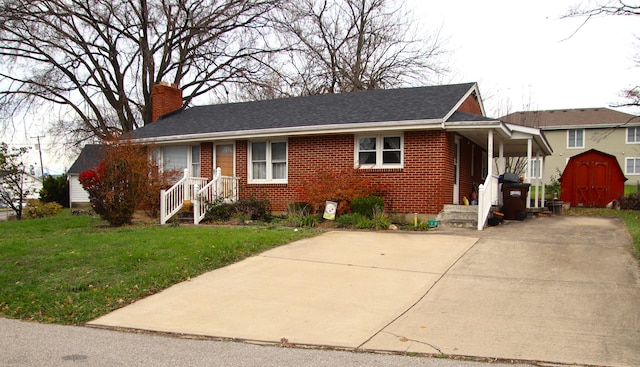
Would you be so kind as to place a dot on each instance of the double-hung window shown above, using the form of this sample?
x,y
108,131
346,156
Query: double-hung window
x,y
632,166
633,135
176,158
268,162
379,151
536,167
575,138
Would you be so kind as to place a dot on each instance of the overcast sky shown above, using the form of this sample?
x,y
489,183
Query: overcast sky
x,y
523,55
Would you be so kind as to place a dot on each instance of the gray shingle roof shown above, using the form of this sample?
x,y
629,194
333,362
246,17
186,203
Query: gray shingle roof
x,y
424,103
583,117
89,158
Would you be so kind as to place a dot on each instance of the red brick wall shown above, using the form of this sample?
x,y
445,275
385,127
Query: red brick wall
x,y
206,160
423,186
471,105
164,99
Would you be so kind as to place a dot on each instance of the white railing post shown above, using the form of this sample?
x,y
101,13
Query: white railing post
x,y
219,191
196,204
163,206
187,185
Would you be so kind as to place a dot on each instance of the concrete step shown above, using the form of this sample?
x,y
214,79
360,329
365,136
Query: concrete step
x,y
458,216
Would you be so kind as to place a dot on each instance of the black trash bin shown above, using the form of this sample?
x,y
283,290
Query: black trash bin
x,y
514,200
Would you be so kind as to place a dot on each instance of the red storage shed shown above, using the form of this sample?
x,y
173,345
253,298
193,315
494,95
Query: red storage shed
x,y
592,179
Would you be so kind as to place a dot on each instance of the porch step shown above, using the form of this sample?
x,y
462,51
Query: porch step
x,y
459,216
183,217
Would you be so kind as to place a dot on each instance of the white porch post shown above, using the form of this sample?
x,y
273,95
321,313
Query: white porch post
x,y
542,203
501,161
528,177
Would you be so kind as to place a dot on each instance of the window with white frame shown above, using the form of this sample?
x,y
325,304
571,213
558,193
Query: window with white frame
x,y
633,135
575,138
632,166
536,167
177,158
268,162
379,151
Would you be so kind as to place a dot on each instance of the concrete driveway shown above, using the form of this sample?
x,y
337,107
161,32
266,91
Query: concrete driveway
x,y
555,289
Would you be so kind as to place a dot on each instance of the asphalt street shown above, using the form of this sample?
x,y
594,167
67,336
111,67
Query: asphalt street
x,y
32,344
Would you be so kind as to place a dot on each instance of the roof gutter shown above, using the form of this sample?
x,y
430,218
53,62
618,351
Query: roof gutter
x,y
299,131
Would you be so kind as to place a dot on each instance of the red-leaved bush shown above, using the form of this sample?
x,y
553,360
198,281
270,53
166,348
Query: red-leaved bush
x,y
341,186
120,181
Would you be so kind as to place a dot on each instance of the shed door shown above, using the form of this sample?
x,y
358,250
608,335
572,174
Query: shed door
x,y
599,178
591,183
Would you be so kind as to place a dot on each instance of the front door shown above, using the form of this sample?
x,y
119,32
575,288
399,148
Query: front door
x,y
456,171
224,159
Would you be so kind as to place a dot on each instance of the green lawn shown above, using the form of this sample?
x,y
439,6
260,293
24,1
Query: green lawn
x,y
71,269
630,217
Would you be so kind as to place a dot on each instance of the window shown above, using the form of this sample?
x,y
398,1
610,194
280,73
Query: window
x,y
195,161
575,138
268,161
633,166
536,167
177,158
633,135
379,151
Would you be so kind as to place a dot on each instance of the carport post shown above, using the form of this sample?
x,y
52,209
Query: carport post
x,y
528,178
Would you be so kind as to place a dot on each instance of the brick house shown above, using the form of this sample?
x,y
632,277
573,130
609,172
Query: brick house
x,y
428,146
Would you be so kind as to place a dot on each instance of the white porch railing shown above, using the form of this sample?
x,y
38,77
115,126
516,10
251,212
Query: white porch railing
x,y
488,195
172,200
221,188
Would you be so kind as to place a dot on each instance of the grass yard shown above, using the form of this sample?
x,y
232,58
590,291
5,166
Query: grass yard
x,y
630,217
70,269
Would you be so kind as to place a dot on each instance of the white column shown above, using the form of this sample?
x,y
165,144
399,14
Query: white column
x,y
528,176
542,182
501,161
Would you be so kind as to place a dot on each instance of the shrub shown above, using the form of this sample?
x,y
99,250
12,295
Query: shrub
x,y
351,220
298,215
366,205
630,202
118,185
55,190
38,209
340,186
243,209
158,181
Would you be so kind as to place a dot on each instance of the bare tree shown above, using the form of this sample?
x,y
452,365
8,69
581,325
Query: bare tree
x,y
97,59
346,45
610,7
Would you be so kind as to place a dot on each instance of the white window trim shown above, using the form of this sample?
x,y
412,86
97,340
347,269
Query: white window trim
x,y
626,165
584,137
379,151
268,180
626,135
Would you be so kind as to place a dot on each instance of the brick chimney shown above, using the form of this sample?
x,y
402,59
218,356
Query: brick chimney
x,y
165,98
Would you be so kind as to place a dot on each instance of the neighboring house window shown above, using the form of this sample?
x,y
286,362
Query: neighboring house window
x,y
177,158
268,161
633,166
575,138
536,171
633,135
379,151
